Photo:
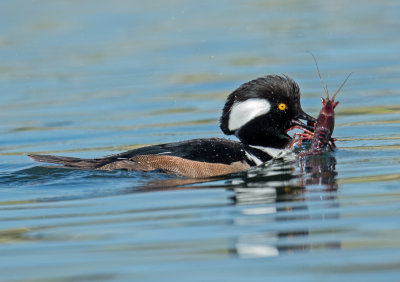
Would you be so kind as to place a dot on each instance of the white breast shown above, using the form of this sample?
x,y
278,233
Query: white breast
x,y
273,152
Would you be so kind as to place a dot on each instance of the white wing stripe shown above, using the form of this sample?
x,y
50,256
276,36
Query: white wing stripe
x,y
253,158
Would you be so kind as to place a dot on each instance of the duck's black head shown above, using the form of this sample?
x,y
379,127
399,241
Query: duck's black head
x,y
261,111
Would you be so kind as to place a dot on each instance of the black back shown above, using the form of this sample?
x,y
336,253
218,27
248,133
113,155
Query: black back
x,y
213,150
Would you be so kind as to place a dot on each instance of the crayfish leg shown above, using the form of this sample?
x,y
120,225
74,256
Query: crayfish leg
x,y
301,128
333,140
299,137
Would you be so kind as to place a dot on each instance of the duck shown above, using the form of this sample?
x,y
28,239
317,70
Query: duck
x,y
259,113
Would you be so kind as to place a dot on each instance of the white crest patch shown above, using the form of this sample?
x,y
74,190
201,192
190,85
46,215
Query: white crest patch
x,y
243,112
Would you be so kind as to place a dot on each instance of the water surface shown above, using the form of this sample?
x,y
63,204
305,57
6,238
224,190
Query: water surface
x,y
95,78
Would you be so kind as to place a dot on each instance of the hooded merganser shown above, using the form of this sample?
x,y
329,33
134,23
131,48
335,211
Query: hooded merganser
x,y
259,113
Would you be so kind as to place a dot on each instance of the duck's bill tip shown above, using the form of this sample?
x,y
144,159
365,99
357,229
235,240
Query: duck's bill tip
x,y
304,116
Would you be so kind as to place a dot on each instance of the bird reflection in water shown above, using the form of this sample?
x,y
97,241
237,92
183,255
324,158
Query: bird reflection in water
x,y
286,193
275,198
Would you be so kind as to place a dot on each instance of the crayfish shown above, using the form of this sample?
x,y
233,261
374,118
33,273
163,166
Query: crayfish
x,y
324,125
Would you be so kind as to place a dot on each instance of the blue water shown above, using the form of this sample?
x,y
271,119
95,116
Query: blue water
x,y
93,78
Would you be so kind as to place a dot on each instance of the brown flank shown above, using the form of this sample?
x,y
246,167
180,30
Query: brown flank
x,y
176,165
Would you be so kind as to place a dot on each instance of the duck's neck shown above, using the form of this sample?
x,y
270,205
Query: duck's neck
x,y
264,139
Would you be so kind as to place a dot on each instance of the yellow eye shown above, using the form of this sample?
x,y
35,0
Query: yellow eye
x,y
282,106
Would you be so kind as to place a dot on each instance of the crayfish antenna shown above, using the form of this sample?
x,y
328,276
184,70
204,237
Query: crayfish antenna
x,y
344,82
324,86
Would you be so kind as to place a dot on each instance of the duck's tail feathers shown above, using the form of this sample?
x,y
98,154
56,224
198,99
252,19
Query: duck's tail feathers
x,y
68,162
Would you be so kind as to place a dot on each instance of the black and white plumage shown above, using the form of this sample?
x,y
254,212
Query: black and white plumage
x,y
252,111
259,113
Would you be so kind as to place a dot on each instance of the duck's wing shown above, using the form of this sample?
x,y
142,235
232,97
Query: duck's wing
x,y
211,150
195,158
